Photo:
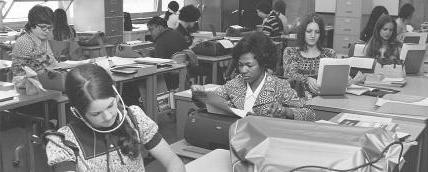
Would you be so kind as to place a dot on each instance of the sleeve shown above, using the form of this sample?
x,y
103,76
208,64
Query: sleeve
x,y
57,152
224,90
148,129
268,27
161,49
296,106
290,65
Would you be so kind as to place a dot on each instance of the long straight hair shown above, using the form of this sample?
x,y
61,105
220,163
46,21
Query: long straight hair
x,y
89,82
375,42
301,42
61,29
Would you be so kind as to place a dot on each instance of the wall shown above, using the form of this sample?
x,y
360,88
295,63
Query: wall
x,y
93,21
298,9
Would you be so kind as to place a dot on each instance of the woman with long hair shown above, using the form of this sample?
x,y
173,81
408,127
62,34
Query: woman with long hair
x,y
367,32
61,29
105,134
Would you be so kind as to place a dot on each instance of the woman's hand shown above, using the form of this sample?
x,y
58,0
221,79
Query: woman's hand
x,y
313,86
163,153
279,111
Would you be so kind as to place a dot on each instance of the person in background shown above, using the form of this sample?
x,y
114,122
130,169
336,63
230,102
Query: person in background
x,y
279,8
61,30
167,41
32,49
367,32
171,16
105,135
403,21
189,15
255,90
383,46
302,63
272,25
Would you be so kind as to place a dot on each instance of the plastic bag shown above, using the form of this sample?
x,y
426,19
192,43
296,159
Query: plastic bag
x,y
28,84
261,144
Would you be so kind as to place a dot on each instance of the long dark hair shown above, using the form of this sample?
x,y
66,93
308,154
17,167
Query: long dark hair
x,y
375,42
39,15
261,46
61,30
302,29
88,82
367,32
173,6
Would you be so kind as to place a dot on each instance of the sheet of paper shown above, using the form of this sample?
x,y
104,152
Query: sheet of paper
x,y
359,50
325,122
152,60
363,120
8,94
236,27
358,90
329,61
225,43
361,62
5,64
382,101
239,112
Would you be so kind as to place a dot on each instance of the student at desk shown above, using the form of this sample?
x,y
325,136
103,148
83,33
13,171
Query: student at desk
x,y
32,49
383,45
367,32
254,89
272,25
301,63
189,15
403,21
105,135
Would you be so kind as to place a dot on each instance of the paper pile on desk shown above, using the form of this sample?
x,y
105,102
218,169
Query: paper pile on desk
x,y
154,61
358,90
403,99
381,80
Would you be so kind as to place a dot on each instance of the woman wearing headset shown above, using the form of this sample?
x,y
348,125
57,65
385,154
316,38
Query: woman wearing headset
x,y
106,135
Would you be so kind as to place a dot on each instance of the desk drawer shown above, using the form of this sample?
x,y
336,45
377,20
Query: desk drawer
x,y
348,8
347,26
114,26
341,43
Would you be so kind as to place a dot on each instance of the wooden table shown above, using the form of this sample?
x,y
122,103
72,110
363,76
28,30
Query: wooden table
x,y
214,61
151,85
328,106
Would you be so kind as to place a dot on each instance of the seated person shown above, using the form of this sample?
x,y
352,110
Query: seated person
x,y
105,135
272,25
167,41
302,63
403,21
32,49
254,89
188,17
367,32
171,16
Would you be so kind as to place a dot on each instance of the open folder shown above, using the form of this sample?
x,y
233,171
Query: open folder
x,y
218,105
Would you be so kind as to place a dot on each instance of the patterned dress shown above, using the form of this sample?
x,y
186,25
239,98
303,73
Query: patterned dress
x,y
275,90
300,68
32,52
96,153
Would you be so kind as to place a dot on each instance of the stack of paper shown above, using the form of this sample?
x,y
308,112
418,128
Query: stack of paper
x,y
154,61
358,90
380,80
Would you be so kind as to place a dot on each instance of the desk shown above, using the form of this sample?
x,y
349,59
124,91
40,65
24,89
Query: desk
x,y
95,51
151,85
216,161
215,62
329,106
23,100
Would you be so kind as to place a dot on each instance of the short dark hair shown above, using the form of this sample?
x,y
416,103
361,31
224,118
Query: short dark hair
x,y
158,21
260,45
279,6
39,15
264,7
189,13
173,5
313,17
406,11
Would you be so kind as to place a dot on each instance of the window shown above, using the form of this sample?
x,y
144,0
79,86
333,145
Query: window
x,y
148,7
18,11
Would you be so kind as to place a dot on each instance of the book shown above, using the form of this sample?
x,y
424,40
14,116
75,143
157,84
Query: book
x,y
366,121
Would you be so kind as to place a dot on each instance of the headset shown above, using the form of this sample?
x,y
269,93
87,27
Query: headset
x,y
122,116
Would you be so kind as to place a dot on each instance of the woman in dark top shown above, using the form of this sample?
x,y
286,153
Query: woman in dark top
x,y
189,15
62,31
367,32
